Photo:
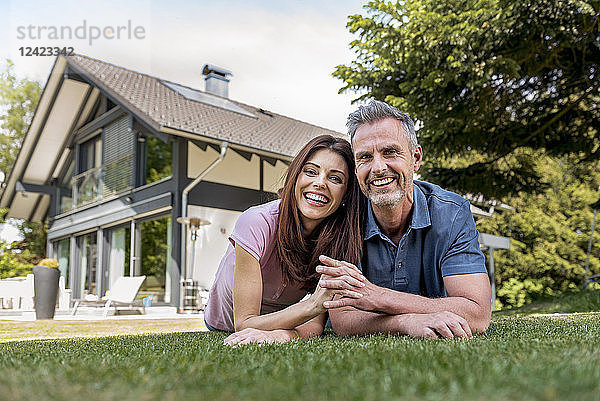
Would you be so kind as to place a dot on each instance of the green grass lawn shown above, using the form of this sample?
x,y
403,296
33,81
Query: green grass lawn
x,y
555,357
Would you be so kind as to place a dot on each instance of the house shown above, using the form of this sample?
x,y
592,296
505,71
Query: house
x,y
113,157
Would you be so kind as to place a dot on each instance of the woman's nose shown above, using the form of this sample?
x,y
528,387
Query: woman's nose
x,y
319,181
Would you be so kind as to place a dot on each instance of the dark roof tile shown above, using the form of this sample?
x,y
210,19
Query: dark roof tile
x,y
160,106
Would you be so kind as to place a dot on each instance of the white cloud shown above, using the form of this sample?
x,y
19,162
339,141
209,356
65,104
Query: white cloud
x,y
281,54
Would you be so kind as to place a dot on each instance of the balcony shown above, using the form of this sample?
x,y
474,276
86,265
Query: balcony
x,y
101,182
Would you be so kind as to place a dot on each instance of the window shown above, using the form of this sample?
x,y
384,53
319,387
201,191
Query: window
x,y
156,159
155,254
90,154
87,182
63,253
88,264
65,189
119,254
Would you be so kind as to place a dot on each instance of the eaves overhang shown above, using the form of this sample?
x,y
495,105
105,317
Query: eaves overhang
x,y
56,113
233,145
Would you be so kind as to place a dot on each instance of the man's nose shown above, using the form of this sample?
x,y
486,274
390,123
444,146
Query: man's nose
x,y
379,165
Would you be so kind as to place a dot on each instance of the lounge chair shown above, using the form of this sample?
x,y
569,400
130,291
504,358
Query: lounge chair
x,y
121,294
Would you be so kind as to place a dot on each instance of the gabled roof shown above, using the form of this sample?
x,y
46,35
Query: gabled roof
x,y
162,106
166,107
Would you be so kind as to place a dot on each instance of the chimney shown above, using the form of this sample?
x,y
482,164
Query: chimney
x,y
216,80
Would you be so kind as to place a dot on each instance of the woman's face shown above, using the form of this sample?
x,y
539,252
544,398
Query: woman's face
x,y
320,187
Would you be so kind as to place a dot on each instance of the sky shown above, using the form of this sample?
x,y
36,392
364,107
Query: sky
x,y
281,53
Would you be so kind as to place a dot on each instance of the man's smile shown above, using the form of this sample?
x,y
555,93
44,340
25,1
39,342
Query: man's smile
x,y
381,182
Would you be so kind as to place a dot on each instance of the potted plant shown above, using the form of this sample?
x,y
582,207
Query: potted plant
x,y
45,285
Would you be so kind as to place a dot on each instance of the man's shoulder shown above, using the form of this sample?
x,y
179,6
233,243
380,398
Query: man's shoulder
x,y
439,196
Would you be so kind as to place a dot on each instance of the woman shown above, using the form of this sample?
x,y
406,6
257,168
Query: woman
x,y
261,286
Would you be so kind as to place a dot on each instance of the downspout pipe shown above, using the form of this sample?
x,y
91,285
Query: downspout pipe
x,y
184,205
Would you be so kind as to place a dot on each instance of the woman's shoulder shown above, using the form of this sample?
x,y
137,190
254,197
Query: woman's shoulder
x,y
267,211
258,222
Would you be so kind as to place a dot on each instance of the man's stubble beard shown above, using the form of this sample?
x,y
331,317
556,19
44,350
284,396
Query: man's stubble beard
x,y
390,198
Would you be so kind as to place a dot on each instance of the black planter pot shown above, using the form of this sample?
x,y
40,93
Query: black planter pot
x,y
45,285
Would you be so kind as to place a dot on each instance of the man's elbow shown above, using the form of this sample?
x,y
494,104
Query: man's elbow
x,y
482,322
340,325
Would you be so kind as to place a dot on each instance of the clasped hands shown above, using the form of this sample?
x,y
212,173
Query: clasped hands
x,y
334,277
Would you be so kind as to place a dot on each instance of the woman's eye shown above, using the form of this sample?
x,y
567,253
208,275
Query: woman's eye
x,y
310,171
336,179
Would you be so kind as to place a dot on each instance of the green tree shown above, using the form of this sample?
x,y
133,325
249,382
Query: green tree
x,y
549,234
10,264
491,81
18,101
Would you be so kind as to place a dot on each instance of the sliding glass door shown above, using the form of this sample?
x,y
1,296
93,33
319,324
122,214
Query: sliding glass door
x,y
88,259
154,257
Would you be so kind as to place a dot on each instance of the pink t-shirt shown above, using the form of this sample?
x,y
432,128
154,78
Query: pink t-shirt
x,y
255,232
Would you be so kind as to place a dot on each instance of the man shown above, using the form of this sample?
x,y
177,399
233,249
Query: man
x,y
425,275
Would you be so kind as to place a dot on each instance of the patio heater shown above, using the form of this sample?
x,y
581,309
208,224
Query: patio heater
x,y
189,289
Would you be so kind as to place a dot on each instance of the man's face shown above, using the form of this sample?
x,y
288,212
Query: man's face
x,y
384,162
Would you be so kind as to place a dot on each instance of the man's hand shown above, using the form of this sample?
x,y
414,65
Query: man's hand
x,y
346,286
250,335
435,325
335,274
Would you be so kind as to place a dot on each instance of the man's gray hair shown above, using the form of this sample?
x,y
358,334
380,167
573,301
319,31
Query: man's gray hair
x,y
376,111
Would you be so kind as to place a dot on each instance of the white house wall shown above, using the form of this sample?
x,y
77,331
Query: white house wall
x,y
234,170
273,176
212,241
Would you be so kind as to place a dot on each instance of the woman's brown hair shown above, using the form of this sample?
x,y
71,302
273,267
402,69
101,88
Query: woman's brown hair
x,y
337,236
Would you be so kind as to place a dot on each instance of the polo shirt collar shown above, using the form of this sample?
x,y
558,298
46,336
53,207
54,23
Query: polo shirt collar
x,y
420,215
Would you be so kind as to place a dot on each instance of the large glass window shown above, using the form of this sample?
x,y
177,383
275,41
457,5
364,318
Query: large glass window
x,y
155,250
119,254
63,251
88,263
65,189
159,157
87,182
90,154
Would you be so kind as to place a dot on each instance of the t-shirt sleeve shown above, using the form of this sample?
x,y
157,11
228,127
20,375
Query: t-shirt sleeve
x,y
463,255
251,232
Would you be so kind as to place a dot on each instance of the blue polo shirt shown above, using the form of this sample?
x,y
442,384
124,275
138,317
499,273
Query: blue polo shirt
x,y
442,240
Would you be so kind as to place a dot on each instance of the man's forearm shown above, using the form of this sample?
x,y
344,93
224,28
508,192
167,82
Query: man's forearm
x,y
392,302
469,297
349,321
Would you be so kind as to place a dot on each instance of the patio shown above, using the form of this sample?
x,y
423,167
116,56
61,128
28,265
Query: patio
x,y
86,327
87,313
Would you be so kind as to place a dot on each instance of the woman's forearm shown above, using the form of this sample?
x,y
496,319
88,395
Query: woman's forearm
x,y
285,319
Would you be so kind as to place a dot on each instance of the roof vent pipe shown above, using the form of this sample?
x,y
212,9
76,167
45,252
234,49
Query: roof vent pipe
x,y
216,80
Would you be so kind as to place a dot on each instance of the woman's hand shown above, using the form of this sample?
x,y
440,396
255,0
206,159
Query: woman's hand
x,y
250,335
349,282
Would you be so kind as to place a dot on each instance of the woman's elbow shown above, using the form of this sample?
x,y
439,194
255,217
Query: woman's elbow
x,y
241,324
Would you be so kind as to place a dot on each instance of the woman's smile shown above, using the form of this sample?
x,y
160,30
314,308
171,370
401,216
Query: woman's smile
x,y
320,187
